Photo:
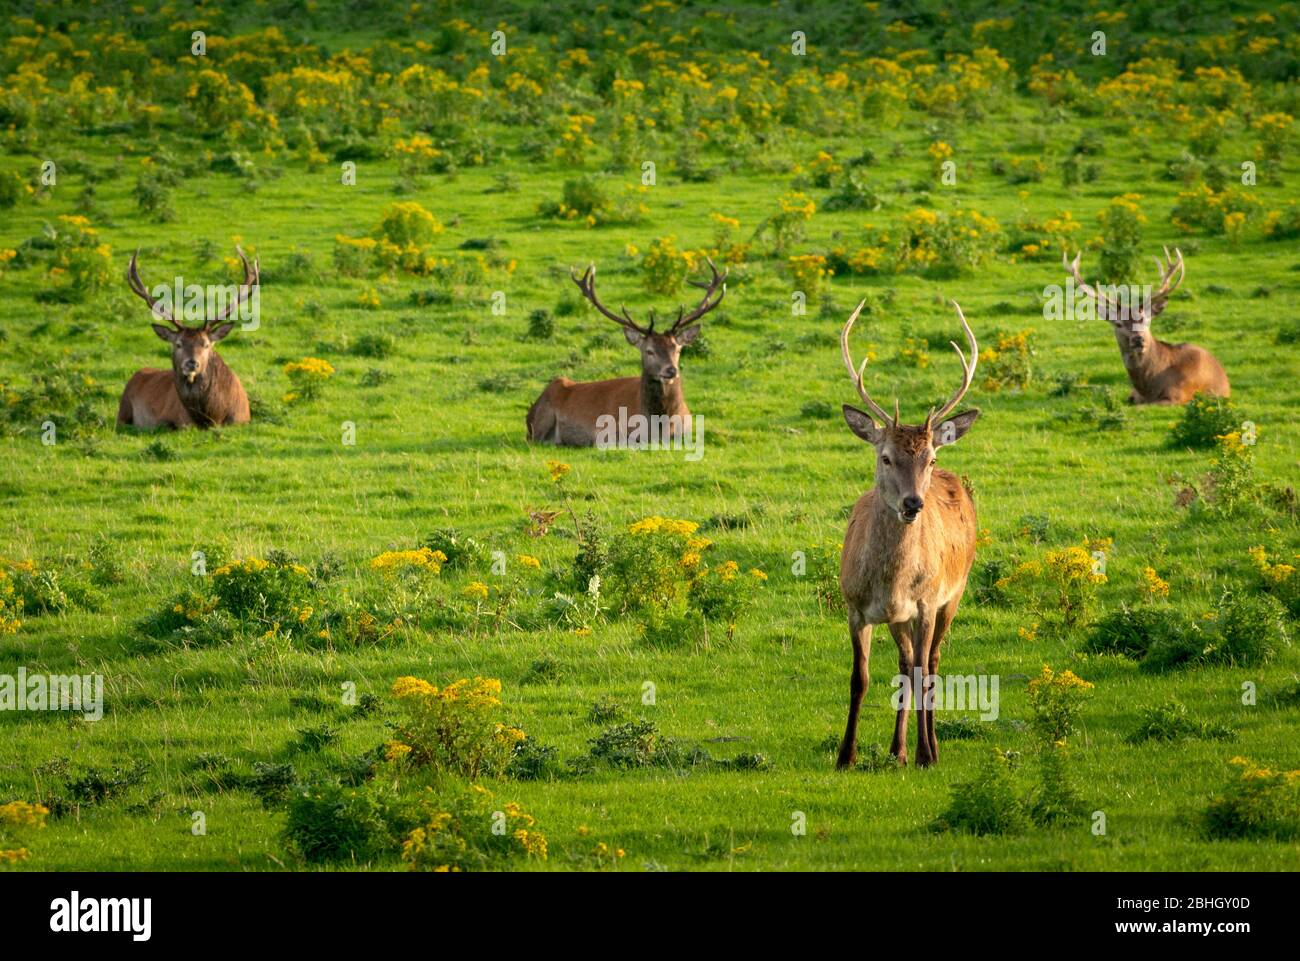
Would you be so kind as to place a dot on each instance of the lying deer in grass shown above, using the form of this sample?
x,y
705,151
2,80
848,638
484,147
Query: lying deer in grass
x,y
567,412
907,552
1160,373
199,390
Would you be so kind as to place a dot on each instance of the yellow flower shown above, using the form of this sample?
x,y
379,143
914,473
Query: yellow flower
x,y
527,560
476,589
558,469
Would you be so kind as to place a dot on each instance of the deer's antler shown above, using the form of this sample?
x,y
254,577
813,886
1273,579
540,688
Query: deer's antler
x,y
855,373
1112,312
1170,267
705,305
587,284
967,370
137,286
252,278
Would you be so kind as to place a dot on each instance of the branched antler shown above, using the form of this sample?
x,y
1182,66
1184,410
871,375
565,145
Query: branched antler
x,y
252,277
967,369
855,373
137,286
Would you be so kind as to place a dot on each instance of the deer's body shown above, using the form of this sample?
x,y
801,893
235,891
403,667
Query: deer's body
x,y
567,411
199,390
1164,373
1160,373
907,554
573,414
161,398
890,570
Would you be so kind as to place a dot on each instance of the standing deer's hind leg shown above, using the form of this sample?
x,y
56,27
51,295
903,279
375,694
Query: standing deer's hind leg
x,y
860,637
903,638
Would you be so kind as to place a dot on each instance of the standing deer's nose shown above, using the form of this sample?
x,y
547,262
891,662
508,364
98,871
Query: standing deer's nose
x,y
912,506
670,373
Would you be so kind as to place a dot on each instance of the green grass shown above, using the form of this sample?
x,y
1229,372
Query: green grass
x,y
434,448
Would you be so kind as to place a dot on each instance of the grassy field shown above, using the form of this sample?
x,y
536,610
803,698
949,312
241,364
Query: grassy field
x,y
437,388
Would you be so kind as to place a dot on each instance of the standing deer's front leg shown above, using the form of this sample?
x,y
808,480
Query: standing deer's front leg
x,y
942,620
924,642
903,638
860,637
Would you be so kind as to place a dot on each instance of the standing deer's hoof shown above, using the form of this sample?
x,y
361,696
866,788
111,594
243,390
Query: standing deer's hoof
x,y
847,758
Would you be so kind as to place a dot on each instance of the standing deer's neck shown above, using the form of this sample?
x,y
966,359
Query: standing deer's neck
x,y
202,398
890,537
660,398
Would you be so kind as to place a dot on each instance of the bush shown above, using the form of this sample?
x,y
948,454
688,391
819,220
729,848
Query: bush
x,y
455,728
1170,722
461,552
331,823
1055,799
1056,701
462,832
272,592
1133,632
1205,419
1258,803
988,804
1252,629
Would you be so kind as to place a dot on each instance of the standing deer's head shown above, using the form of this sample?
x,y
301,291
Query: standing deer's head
x,y
192,347
1132,320
905,453
660,352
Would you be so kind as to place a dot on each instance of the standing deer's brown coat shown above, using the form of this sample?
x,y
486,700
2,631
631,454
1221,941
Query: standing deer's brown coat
x,y
199,390
1160,373
567,412
907,552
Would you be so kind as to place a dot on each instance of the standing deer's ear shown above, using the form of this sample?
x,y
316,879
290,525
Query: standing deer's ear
x,y
688,335
166,333
217,333
634,337
954,427
861,424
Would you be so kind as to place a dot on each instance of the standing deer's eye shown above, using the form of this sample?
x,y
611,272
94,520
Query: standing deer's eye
x,y
933,461
884,460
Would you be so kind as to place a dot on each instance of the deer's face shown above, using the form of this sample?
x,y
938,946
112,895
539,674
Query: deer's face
x,y
192,349
905,457
661,353
1134,339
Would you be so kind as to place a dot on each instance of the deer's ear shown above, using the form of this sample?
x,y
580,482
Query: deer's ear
x,y
166,333
217,333
686,336
953,428
861,424
633,337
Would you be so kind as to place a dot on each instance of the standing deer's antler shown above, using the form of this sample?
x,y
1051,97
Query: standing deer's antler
x,y
855,373
705,305
252,278
967,368
587,284
137,286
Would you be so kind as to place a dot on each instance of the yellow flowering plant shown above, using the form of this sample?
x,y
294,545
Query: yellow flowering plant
x,y
456,728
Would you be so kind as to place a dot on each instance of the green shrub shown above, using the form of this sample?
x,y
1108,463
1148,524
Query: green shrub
x,y
330,823
455,728
270,592
1170,722
461,552
988,804
1258,803
1205,419
1252,629
1054,800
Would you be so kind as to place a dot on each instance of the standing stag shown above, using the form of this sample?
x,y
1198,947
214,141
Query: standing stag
x,y
567,412
1160,373
200,390
907,552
